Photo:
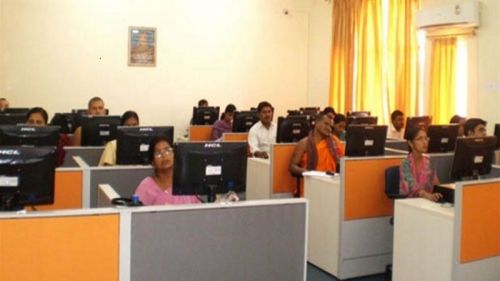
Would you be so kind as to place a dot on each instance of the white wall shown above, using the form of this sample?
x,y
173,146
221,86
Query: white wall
x,y
59,53
485,57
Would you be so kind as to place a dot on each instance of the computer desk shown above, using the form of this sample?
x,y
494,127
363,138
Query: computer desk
x,y
459,242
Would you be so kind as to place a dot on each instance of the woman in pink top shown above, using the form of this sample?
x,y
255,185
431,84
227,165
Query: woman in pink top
x,y
157,189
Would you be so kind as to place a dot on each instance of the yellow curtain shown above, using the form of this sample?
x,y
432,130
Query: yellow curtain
x,y
402,57
369,54
442,79
342,55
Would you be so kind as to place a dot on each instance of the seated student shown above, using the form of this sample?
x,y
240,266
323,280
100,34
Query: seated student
x,y
157,189
4,104
396,128
225,124
108,156
475,127
457,119
263,133
320,151
202,103
330,112
339,125
37,116
417,177
95,108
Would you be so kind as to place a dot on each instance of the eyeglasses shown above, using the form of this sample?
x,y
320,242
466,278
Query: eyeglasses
x,y
422,139
163,152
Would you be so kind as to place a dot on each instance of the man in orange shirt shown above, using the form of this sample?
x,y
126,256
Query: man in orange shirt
x,y
320,151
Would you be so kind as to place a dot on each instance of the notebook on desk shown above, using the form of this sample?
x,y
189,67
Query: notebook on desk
x,y
447,190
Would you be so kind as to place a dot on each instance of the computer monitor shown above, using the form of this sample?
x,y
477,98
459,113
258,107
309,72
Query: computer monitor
x,y
26,176
206,115
417,121
29,135
12,118
497,134
473,157
293,128
313,111
244,120
365,140
20,110
132,143
362,120
359,113
442,138
97,130
85,111
209,167
67,122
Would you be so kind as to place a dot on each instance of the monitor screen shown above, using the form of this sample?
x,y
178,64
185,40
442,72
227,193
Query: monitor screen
x,y
21,110
359,113
12,118
84,111
29,135
26,176
132,143
497,134
365,140
293,128
417,121
313,111
473,157
209,167
442,138
205,115
362,120
97,130
244,120
67,122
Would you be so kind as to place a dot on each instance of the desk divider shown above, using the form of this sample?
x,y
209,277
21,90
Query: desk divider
x,y
364,187
200,133
235,137
281,179
68,188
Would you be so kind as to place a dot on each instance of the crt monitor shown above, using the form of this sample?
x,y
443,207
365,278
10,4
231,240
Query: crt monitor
x,y
12,118
132,143
417,121
67,122
293,128
497,134
359,113
26,176
244,120
365,140
97,130
206,115
442,138
362,120
207,168
473,157
29,135
20,110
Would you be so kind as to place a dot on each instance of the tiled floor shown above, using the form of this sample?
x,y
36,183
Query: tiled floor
x,y
316,274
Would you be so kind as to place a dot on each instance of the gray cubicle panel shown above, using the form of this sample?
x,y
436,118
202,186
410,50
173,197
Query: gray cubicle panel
x,y
442,163
225,244
124,179
89,154
397,144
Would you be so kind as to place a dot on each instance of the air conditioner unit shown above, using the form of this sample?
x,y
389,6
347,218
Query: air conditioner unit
x,y
463,14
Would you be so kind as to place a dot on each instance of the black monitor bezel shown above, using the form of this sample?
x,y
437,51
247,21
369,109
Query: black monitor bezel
x,y
282,121
251,116
127,156
211,111
356,137
435,133
13,135
87,122
464,164
423,122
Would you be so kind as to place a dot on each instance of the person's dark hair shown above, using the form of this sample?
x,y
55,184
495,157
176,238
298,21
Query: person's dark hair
x,y
92,100
329,109
339,118
202,102
396,113
230,108
456,119
40,110
152,144
127,115
472,123
2,99
264,104
412,133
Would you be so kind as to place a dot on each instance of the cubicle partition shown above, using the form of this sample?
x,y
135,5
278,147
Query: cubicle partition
x,y
68,190
90,154
235,137
200,132
189,242
397,144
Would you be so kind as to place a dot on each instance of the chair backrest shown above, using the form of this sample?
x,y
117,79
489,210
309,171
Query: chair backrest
x,y
392,182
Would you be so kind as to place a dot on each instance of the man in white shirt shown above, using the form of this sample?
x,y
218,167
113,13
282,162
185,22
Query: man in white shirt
x,y
263,133
396,128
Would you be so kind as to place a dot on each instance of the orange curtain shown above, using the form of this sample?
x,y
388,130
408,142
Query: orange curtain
x,y
342,58
442,79
402,57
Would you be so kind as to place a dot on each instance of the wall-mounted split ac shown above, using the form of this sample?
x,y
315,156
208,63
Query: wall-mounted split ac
x,y
462,14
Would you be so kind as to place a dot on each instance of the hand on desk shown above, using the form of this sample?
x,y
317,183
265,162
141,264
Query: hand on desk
x,y
431,196
260,154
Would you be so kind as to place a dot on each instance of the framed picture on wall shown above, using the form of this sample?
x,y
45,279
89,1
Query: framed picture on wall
x,y
141,46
